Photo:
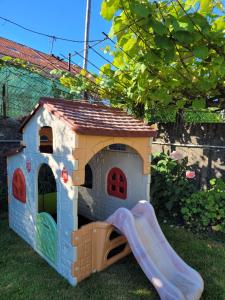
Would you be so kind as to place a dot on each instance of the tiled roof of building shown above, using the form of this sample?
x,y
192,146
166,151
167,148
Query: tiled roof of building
x,y
32,56
14,151
94,119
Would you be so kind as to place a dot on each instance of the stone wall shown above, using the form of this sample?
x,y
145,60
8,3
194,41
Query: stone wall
x,y
9,131
207,162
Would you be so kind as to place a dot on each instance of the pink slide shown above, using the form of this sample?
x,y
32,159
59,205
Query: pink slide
x,y
169,274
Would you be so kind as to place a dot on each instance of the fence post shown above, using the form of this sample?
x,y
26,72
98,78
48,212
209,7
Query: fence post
x,y
4,101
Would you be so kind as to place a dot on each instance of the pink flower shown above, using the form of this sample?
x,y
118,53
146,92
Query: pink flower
x,y
190,174
175,155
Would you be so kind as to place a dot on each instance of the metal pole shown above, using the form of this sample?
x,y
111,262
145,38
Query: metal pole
x,y
4,99
69,62
86,33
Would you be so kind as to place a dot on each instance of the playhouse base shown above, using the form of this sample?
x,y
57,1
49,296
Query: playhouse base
x,y
98,246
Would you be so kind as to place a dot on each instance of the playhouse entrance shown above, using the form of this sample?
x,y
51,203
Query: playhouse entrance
x,y
46,223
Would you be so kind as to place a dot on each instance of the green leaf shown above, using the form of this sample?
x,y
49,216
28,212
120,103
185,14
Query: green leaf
x,y
163,42
217,227
143,68
129,44
206,6
201,52
109,8
183,36
219,24
105,69
6,58
180,103
169,54
158,27
199,104
139,9
199,19
118,61
107,49
151,57
169,205
190,3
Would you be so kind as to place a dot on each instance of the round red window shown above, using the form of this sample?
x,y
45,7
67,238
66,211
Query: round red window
x,y
117,183
19,185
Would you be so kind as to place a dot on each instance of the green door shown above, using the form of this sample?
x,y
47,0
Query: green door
x,y
46,236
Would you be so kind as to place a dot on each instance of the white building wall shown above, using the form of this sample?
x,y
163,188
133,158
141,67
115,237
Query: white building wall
x,y
22,217
95,203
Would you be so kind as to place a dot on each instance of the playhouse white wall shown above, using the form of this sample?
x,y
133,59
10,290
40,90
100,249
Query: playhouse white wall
x,y
95,203
22,217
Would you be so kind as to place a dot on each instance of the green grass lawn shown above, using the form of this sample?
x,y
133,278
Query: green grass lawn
x,y
24,275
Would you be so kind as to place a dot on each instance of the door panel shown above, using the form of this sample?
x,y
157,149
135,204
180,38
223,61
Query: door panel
x,y
46,236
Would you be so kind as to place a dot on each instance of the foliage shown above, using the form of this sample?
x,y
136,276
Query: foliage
x,y
169,185
203,117
206,208
164,54
189,116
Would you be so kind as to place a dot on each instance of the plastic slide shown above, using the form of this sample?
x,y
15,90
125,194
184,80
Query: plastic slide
x,y
169,274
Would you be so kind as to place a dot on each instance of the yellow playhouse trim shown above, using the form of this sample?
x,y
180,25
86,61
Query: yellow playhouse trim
x,y
88,145
94,244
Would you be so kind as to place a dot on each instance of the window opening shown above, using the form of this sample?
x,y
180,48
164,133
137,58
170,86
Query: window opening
x,y
88,182
47,192
117,183
46,139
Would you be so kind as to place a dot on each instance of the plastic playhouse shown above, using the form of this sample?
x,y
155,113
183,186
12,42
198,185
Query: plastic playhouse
x,y
74,189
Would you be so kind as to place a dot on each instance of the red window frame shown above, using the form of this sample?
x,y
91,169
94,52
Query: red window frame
x,y
19,185
117,183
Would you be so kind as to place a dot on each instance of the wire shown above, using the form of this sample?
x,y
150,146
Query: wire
x,y
47,35
52,44
100,55
82,50
97,85
124,86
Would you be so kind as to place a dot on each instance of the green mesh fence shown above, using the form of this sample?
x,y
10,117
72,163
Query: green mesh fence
x,y
24,88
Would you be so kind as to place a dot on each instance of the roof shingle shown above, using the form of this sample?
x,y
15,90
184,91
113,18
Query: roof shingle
x,y
32,56
95,119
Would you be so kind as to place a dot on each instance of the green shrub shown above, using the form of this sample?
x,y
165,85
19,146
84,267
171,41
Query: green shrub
x,y
169,185
206,209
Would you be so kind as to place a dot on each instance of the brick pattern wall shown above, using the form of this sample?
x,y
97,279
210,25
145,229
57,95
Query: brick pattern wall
x,y
22,222
82,268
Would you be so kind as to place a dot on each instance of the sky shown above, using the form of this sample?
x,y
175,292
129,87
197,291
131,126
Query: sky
x,y
58,18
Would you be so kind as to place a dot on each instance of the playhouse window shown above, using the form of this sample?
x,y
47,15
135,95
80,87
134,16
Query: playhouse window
x,y
117,183
88,177
46,139
19,185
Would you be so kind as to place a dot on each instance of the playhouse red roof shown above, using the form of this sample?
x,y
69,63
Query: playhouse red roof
x,y
94,119
35,57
